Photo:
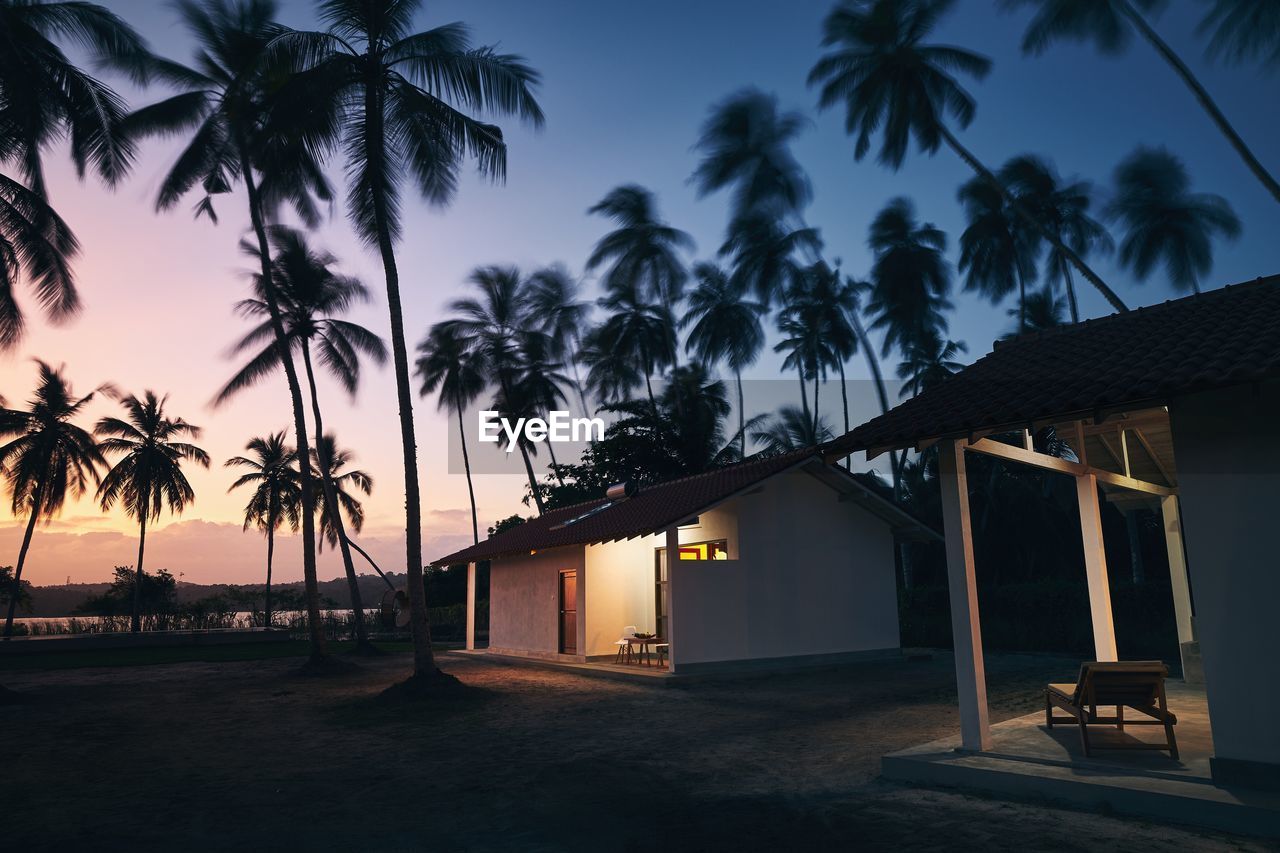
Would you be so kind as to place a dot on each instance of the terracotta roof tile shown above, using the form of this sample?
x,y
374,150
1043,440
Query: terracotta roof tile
x,y
1223,337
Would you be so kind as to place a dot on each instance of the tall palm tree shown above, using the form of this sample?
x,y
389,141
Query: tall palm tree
x,y
46,458
446,364
745,144
932,361
612,374
277,496
44,98
1110,25
766,253
242,129
311,295
1243,30
541,383
836,306
345,511
643,252
997,250
1045,311
790,429
553,301
802,321
910,278
726,327
1062,208
148,476
893,83
1164,222
406,104
641,332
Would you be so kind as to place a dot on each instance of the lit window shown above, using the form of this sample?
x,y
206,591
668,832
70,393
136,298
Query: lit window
x,y
714,550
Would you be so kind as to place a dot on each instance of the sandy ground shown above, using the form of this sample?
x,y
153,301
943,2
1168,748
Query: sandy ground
x,y
251,756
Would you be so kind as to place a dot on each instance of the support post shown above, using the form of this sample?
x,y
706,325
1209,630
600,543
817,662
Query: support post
x,y
471,606
1095,568
673,562
1172,523
966,629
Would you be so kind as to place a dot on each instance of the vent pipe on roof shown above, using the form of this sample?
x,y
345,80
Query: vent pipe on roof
x,y
622,491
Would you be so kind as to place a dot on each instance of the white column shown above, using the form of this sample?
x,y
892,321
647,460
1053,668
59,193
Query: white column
x,y
673,563
471,606
1177,567
966,630
1095,568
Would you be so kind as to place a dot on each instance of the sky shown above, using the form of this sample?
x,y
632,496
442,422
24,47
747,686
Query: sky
x,y
625,88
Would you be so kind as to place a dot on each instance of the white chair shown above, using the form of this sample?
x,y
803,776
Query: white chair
x,y
624,645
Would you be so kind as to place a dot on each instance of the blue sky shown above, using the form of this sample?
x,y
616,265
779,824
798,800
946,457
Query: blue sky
x,y
625,89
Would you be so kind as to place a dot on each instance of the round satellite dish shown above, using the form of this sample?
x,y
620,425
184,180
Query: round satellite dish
x,y
400,604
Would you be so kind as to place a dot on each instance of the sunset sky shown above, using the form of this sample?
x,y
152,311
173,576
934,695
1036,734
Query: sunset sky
x,y
625,89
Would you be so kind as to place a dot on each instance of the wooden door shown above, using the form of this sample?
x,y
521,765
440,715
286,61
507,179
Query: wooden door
x,y
568,612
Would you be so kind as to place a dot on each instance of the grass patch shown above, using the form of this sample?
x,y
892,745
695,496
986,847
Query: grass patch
x,y
178,654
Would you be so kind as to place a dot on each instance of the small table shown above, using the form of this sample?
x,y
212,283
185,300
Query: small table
x,y
644,654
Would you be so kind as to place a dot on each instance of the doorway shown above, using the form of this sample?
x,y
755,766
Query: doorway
x,y
569,612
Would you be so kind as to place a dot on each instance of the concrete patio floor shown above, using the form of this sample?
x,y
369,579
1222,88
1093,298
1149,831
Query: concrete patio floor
x,y
1029,760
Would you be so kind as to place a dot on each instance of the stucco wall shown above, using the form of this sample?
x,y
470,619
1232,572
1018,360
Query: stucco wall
x,y
1227,451
811,576
524,600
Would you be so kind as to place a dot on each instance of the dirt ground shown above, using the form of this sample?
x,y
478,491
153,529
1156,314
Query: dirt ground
x,y
250,756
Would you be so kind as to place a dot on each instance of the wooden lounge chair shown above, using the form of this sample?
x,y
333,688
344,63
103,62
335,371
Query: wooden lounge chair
x,y
1126,684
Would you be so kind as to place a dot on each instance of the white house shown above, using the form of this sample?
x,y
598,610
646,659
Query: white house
x,y
784,560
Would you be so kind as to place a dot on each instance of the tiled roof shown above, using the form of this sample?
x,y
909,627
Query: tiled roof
x,y
1210,340
652,509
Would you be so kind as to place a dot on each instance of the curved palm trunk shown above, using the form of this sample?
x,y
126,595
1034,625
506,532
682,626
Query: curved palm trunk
x,y
873,364
804,395
466,464
816,380
424,662
271,549
136,625
17,570
533,480
1071,294
331,501
363,553
742,418
314,628
844,403
1202,95
1022,303
555,463
1044,231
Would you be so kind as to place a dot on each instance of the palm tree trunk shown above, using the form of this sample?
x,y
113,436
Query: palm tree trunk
x,y
466,464
555,463
804,395
424,662
1202,95
844,402
136,624
363,553
17,571
742,418
873,364
310,582
533,480
1071,294
1022,303
816,380
271,548
577,379
331,501
1044,231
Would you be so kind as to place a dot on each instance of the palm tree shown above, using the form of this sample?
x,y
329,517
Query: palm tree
x,y
47,458
836,306
1164,222
643,252
311,294
333,527
553,301
932,361
745,144
640,332
1045,311
766,254
800,322
277,496
45,98
612,374
997,250
404,103
1063,209
910,278
540,382
790,429
241,128
1244,29
1110,24
726,327
893,83
148,476
445,363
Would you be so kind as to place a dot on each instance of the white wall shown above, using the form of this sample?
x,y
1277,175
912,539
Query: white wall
x,y
1227,451
524,600
810,576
